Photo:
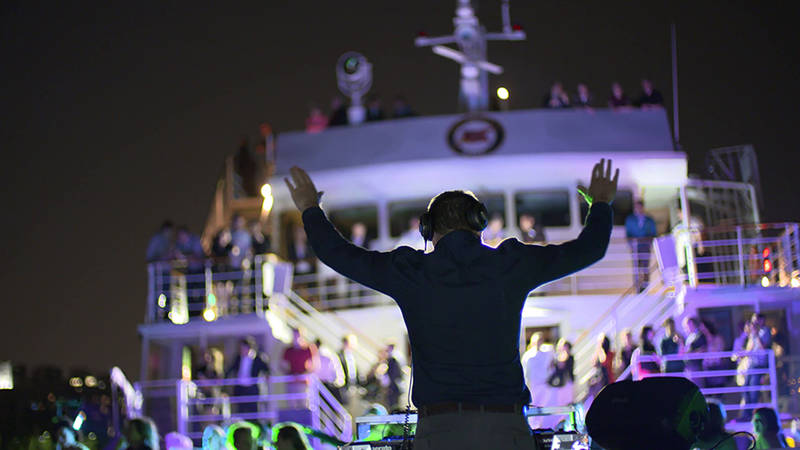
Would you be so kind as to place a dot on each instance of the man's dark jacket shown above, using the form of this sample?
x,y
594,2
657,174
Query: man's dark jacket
x,y
462,303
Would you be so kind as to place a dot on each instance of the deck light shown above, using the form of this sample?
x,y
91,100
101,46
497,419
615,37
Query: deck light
x,y
502,93
266,192
209,315
764,281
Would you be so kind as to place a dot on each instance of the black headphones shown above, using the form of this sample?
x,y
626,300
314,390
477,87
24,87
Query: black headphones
x,y
476,215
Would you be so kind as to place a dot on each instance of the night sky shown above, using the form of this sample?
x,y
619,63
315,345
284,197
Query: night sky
x,y
115,117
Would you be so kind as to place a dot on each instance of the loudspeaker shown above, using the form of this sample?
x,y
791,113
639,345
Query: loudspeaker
x,y
655,413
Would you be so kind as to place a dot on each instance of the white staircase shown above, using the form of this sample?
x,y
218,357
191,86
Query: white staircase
x,y
631,310
292,310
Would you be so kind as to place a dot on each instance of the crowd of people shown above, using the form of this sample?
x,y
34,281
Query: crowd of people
x,y
336,369
318,121
141,433
558,97
649,98
549,374
233,249
670,351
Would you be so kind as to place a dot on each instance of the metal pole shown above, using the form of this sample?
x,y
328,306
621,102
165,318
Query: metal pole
x,y
740,248
754,203
182,406
258,261
149,314
675,121
145,367
773,381
506,13
209,284
114,408
795,255
688,250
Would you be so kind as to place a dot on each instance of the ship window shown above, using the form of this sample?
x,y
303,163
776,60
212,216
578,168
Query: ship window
x,y
622,205
549,207
344,219
403,212
495,204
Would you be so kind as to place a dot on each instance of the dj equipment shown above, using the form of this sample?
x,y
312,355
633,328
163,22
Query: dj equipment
x,y
389,432
655,413
476,215
386,444
557,440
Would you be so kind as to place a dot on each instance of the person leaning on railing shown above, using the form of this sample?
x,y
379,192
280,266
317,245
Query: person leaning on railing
x,y
641,369
758,338
640,229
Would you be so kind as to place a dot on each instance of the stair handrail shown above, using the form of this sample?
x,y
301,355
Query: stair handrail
x,y
341,420
300,314
133,397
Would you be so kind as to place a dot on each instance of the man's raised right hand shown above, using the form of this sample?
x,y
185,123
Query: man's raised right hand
x,y
602,188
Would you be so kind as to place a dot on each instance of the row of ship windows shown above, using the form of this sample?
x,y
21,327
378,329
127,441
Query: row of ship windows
x,y
550,208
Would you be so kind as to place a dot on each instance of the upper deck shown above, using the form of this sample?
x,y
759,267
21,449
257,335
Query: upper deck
x,y
524,132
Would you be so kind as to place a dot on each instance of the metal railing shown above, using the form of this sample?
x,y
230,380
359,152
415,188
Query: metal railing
x,y
625,262
198,403
181,290
653,305
722,382
132,398
738,254
330,329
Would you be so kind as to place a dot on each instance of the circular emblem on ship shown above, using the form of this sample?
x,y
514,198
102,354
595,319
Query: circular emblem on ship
x,y
475,136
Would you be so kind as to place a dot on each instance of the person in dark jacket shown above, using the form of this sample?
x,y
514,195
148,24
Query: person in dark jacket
x,y
462,304
247,365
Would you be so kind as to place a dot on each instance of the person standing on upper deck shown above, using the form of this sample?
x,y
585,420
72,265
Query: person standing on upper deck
x,y
640,229
650,98
462,305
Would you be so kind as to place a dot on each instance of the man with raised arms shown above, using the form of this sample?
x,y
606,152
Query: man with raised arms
x,y
462,305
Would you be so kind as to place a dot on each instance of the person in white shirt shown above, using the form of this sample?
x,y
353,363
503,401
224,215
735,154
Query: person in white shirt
x,y
536,362
330,371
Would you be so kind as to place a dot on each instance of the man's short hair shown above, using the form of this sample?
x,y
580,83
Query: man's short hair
x,y
449,210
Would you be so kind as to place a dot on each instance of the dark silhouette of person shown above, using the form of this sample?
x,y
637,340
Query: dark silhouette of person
x,y
374,109
247,169
247,364
462,305
160,250
190,249
640,229
767,429
650,98
618,100
338,113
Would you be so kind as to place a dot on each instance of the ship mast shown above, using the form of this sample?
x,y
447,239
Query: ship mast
x,y
471,37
